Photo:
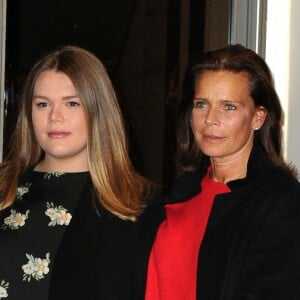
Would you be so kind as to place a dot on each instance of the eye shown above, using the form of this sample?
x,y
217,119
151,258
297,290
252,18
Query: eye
x,y
200,104
229,106
42,104
73,103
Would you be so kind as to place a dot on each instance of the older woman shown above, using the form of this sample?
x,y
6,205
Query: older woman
x,y
229,228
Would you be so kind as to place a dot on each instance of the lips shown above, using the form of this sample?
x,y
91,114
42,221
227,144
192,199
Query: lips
x,y
211,137
58,134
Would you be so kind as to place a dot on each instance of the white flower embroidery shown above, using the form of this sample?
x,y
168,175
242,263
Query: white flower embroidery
x,y
21,190
15,220
58,215
3,289
36,268
48,175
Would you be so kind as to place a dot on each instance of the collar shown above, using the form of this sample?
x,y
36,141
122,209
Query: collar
x,y
188,185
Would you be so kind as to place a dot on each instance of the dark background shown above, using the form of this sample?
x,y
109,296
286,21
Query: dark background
x,y
145,46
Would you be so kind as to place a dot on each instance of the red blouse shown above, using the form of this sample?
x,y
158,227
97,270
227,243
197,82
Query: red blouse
x,y
172,268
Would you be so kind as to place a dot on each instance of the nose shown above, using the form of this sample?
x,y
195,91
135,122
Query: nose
x,y
55,115
212,116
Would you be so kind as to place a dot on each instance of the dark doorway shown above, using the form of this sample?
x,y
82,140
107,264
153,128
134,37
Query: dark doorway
x,y
142,46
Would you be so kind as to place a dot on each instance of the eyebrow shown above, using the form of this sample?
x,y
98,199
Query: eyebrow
x,y
46,98
223,101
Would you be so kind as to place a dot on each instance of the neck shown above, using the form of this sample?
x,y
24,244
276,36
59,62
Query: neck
x,y
229,169
61,166
225,173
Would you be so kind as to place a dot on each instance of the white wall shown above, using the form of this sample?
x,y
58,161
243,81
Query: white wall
x,y
282,55
293,120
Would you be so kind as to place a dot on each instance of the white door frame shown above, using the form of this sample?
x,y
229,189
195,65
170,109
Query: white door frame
x,y
271,28
248,24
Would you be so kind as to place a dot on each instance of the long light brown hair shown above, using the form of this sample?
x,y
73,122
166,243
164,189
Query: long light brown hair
x,y
119,188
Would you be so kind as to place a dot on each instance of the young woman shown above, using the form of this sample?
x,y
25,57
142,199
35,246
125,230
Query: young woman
x,y
229,229
69,193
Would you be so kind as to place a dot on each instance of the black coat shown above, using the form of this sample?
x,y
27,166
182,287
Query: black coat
x,y
96,257
251,247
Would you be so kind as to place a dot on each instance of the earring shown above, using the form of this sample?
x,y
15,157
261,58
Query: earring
x,y
257,128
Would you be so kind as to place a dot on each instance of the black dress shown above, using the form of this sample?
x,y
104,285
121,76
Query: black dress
x,y
57,243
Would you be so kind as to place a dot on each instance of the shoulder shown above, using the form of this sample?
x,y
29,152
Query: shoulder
x,y
184,187
154,210
263,173
187,185
276,196
278,179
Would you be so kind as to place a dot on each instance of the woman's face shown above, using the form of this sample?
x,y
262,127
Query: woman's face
x,y
59,123
224,116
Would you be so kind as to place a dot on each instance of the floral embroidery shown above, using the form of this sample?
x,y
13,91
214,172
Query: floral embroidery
x,y
3,289
21,190
48,175
36,268
15,220
58,215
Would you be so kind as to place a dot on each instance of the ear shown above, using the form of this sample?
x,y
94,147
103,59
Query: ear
x,y
259,117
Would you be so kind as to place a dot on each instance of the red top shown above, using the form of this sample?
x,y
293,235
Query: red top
x,y
172,268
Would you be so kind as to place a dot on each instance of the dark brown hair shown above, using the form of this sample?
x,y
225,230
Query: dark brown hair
x,y
236,59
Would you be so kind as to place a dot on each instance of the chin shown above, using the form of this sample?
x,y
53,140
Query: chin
x,y
212,151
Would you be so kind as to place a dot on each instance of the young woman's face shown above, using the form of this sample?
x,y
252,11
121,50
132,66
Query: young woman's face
x,y
224,116
59,123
